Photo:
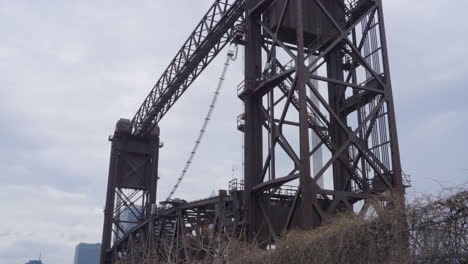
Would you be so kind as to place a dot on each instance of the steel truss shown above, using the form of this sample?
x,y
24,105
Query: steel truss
x,y
210,36
335,84
177,220
354,116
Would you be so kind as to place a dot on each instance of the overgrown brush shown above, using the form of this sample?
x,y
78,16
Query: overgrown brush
x,y
436,232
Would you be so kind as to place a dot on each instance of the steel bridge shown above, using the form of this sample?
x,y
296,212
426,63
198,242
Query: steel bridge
x,y
312,67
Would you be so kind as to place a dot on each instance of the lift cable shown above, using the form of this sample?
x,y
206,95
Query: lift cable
x,y
231,56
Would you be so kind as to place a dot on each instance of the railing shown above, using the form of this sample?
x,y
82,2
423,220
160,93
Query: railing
x,y
236,185
241,122
406,179
286,190
377,183
239,34
240,88
269,71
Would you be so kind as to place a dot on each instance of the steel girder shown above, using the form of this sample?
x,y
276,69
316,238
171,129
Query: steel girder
x,y
176,225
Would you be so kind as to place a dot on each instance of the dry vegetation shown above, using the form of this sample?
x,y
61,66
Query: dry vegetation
x,y
436,232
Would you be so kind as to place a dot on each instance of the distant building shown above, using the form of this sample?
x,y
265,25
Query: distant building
x,y
34,262
129,218
87,253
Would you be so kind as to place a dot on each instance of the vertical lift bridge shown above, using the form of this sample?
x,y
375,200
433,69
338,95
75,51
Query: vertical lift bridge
x,y
310,65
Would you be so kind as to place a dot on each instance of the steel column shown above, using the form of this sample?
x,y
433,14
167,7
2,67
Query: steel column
x,y
307,189
253,138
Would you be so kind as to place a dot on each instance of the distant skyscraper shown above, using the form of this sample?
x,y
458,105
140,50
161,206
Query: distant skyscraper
x,y
34,262
130,217
87,253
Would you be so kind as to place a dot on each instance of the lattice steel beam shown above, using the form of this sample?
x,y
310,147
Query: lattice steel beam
x,y
210,36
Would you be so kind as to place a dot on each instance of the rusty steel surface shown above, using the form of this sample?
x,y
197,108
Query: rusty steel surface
x,y
326,75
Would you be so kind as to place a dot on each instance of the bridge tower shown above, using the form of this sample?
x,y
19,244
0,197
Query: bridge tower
x,y
316,66
132,183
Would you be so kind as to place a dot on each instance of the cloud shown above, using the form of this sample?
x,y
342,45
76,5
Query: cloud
x,y
44,219
71,69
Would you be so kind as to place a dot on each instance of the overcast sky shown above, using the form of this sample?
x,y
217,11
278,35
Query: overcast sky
x,y
71,69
